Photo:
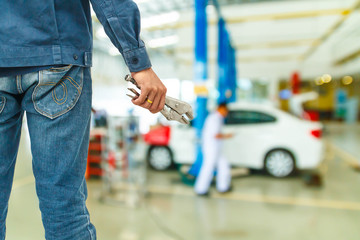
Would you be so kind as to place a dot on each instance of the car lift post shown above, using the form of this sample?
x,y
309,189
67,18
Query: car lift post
x,y
201,75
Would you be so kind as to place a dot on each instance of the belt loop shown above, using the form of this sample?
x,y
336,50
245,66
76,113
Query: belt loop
x,y
57,54
88,59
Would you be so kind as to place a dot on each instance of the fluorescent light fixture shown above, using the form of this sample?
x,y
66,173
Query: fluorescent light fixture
x,y
164,41
160,19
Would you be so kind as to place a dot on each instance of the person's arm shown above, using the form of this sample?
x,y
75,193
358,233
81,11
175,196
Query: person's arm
x,y
121,21
224,135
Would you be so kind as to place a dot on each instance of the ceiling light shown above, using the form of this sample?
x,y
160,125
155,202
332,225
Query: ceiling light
x,y
347,80
164,41
327,78
160,19
319,81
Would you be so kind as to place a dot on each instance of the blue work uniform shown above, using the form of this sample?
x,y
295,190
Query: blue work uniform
x,y
213,157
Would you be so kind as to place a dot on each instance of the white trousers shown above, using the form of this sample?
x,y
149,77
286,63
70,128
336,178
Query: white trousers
x,y
213,160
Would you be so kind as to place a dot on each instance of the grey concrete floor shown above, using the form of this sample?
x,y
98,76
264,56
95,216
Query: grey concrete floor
x,y
260,207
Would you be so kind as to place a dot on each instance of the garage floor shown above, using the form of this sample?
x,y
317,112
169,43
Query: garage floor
x,y
260,207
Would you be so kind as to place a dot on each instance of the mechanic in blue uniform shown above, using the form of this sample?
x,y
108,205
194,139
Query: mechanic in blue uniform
x,y
45,60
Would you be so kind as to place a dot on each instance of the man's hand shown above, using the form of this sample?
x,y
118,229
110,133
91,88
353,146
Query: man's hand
x,y
152,90
224,135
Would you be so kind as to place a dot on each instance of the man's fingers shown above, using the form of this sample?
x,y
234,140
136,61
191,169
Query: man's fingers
x,y
152,89
162,103
141,100
149,100
155,105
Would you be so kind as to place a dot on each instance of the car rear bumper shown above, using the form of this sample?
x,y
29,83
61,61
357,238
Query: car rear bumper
x,y
311,157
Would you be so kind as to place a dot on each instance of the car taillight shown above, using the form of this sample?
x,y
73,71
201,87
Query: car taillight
x,y
316,133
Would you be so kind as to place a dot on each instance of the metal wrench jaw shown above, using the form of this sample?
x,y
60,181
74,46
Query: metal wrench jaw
x,y
172,115
174,109
178,109
134,92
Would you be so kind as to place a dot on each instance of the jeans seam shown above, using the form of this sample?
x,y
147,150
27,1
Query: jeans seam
x,y
2,106
58,101
87,217
18,84
59,69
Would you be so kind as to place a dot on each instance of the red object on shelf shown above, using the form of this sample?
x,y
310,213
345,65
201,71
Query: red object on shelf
x,y
94,159
95,172
159,136
96,146
94,155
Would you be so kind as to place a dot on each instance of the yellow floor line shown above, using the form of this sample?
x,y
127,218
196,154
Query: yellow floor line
x,y
319,203
253,198
351,160
23,182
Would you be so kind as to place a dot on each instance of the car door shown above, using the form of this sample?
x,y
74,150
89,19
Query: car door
x,y
253,131
182,143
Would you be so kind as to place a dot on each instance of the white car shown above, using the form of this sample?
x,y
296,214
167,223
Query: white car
x,y
264,138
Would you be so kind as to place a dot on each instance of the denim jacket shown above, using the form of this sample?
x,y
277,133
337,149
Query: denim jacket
x,y
56,32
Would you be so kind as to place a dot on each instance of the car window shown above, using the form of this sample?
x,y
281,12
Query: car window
x,y
248,117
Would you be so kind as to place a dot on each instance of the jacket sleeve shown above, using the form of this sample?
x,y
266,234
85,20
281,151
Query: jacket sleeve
x,y
121,21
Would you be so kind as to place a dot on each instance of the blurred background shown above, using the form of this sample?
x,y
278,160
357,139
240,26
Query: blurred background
x,y
289,70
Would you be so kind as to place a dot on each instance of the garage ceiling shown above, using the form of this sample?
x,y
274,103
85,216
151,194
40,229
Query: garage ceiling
x,y
273,38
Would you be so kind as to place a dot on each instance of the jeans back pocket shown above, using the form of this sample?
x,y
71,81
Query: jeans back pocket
x,y
58,90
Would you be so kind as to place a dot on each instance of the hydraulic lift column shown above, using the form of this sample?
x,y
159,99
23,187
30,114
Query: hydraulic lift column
x,y
201,75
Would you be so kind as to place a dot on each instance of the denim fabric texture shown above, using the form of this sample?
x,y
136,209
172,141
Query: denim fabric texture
x,y
57,102
53,32
5,72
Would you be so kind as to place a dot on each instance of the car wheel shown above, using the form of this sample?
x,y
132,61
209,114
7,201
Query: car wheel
x,y
279,163
160,158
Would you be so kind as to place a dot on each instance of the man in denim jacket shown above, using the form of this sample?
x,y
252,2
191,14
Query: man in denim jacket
x,y
45,60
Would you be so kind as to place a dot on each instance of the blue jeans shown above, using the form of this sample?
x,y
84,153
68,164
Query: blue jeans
x,y
57,102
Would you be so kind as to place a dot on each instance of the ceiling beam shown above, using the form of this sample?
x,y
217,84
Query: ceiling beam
x,y
286,16
261,17
274,58
260,45
345,15
348,58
